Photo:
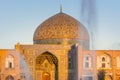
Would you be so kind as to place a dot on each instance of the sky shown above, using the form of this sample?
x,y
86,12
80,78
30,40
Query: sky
x,y
20,18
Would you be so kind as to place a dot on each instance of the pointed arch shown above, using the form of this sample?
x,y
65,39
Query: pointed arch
x,y
103,58
46,76
104,61
9,77
46,63
47,55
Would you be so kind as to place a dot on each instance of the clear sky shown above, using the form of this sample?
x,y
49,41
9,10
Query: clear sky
x,y
20,18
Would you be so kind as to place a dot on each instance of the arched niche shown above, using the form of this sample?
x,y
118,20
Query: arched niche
x,y
104,61
46,65
9,78
9,62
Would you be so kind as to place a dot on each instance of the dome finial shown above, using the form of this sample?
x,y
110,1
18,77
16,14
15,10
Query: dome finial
x,y
60,8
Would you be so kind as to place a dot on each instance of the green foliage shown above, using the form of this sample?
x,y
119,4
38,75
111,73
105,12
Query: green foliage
x,y
101,75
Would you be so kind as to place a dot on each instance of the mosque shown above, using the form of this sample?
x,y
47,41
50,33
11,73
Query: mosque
x,y
60,51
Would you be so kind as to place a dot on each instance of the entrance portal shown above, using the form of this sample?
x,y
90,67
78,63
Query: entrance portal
x,y
46,67
45,76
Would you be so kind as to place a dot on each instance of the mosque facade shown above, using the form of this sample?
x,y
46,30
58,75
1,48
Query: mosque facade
x,y
60,51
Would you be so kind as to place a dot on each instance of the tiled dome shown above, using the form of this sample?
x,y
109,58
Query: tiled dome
x,y
60,28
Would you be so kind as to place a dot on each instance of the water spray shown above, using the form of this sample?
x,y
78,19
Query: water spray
x,y
88,16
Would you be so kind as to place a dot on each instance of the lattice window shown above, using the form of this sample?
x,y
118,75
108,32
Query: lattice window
x,y
87,61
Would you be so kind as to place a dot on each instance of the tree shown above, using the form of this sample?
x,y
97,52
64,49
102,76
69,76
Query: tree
x,y
101,75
